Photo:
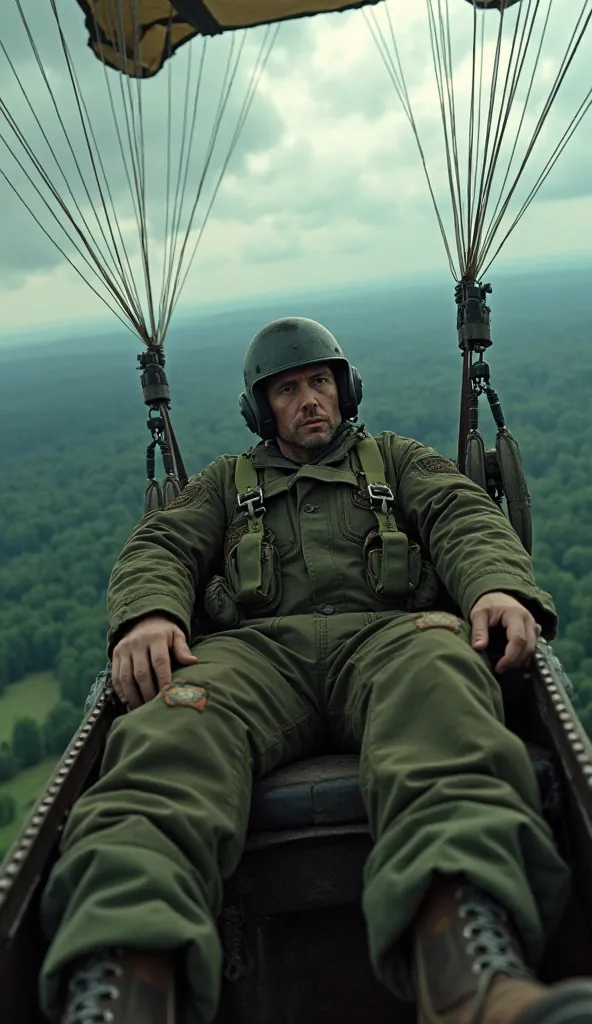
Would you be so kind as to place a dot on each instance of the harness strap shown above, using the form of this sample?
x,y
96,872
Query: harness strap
x,y
249,550
394,567
395,546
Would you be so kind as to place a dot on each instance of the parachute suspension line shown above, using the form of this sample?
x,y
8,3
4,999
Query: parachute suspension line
x,y
500,101
578,34
82,221
499,115
443,69
121,259
394,68
173,217
474,145
94,235
258,69
174,262
79,243
494,214
230,73
92,256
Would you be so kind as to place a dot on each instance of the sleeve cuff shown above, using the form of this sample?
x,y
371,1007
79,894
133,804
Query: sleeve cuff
x,y
128,614
539,603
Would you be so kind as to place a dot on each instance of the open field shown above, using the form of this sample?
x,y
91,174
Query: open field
x,y
33,696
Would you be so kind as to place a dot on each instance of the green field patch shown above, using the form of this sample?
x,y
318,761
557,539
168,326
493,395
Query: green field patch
x,y
25,788
31,697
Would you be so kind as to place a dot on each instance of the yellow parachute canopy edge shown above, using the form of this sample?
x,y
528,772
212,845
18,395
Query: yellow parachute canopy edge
x,y
138,36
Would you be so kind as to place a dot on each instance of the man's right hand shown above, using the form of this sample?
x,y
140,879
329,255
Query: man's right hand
x,y
142,659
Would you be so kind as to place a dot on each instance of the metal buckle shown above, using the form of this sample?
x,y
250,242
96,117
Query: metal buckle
x,y
252,501
381,494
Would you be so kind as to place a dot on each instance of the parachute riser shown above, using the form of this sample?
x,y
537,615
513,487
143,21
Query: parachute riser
x,y
499,470
473,324
157,396
473,321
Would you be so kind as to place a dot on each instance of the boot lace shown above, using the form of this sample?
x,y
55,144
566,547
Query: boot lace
x,y
89,986
488,944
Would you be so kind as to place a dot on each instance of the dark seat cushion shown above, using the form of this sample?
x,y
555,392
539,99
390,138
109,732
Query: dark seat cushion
x,y
317,791
326,791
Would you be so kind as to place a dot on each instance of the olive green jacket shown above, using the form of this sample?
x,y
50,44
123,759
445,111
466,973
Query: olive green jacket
x,y
321,549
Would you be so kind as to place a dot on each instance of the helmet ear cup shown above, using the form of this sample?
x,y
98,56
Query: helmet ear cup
x,y
358,389
248,413
257,414
349,386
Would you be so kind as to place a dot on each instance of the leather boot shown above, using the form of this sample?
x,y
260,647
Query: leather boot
x,y
469,967
124,986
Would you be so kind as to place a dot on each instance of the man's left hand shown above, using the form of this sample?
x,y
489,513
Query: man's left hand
x,y
522,632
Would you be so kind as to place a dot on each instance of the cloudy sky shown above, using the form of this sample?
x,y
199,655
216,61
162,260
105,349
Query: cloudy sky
x,y
326,184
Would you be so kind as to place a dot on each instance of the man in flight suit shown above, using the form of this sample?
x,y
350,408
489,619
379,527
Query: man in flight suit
x,y
345,588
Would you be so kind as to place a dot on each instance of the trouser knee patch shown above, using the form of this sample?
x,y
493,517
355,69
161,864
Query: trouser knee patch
x,y
185,695
438,620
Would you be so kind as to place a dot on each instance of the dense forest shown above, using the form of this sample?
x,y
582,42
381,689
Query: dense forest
x,y
74,436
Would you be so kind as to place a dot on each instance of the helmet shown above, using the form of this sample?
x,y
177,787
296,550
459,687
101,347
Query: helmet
x,y
283,345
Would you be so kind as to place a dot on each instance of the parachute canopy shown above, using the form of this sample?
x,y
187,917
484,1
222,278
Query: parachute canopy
x,y
138,36
494,5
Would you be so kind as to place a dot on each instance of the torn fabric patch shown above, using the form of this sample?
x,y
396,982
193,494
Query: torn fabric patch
x,y
185,695
438,620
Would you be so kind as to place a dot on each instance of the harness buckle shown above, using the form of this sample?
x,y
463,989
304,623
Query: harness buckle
x,y
252,502
381,495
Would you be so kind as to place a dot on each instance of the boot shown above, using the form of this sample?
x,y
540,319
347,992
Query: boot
x,y
125,986
469,966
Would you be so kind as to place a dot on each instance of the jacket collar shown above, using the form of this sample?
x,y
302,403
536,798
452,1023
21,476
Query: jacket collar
x,y
267,453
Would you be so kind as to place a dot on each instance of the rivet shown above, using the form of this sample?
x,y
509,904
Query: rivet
x,y
37,819
12,869
5,883
579,747
572,735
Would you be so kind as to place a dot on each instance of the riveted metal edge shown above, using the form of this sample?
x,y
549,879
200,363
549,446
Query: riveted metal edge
x,y
575,735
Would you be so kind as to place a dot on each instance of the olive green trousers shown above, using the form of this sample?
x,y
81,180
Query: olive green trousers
x,y
447,788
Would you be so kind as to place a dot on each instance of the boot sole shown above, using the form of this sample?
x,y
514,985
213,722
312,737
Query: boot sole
x,y
568,1004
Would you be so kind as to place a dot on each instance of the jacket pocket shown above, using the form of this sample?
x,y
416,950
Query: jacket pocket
x,y
255,583
356,518
394,575
219,604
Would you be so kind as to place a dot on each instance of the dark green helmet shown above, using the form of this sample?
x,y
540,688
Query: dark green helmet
x,y
284,345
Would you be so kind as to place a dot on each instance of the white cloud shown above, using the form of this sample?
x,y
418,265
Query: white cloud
x,y
327,185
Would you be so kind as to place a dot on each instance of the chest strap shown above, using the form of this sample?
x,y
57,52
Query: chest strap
x,y
248,554
394,569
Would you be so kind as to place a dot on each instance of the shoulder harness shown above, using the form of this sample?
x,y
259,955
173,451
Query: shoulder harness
x,y
394,544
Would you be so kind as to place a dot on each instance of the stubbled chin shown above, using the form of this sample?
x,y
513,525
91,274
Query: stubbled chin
x,y
314,438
